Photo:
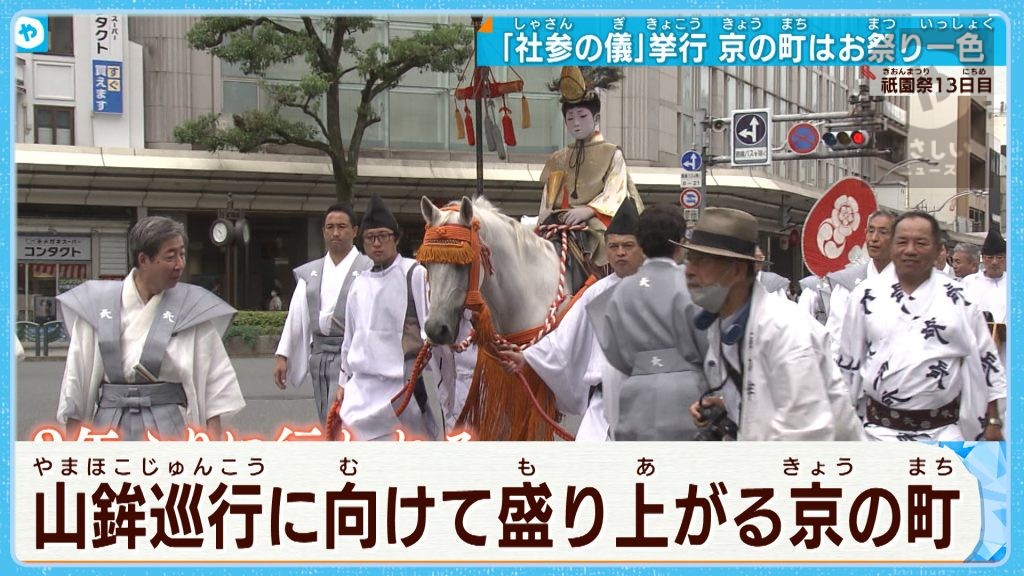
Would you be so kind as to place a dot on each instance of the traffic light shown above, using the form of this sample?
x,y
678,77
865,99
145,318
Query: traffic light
x,y
846,139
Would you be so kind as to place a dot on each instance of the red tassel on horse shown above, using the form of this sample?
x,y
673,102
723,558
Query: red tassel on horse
x,y
470,133
507,127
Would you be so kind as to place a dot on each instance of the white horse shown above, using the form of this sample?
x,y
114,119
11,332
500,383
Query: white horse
x,y
525,279
518,296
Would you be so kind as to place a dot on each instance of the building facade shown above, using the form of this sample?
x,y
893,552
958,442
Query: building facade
x,y
91,175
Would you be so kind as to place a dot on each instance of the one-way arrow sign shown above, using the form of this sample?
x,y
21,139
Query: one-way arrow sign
x,y
751,137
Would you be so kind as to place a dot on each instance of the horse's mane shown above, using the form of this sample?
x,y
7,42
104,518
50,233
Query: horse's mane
x,y
490,215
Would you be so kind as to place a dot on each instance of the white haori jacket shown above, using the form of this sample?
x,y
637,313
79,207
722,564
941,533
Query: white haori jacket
x,y
791,389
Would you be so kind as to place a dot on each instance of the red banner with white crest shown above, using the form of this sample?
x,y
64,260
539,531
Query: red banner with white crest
x,y
836,227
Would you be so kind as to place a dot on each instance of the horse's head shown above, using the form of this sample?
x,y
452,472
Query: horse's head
x,y
449,280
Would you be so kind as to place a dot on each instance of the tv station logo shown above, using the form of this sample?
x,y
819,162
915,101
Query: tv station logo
x,y
30,34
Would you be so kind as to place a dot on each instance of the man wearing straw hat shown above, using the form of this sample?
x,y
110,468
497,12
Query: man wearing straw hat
x,y
771,362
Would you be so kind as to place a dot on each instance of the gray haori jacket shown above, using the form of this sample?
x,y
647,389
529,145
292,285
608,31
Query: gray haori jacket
x,y
312,273
147,403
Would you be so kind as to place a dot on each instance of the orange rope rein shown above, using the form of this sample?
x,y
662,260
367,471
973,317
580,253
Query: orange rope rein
x,y
410,385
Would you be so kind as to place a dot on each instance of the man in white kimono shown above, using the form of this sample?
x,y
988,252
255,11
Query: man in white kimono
x,y
569,359
769,360
879,243
917,348
384,318
988,288
645,329
942,261
146,354
310,345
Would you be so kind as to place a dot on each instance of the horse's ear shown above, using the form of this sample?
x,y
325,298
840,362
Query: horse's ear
x,y
466,212
430,212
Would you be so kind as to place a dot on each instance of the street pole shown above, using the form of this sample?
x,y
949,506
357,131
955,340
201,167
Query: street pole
x,y
700,144
478,81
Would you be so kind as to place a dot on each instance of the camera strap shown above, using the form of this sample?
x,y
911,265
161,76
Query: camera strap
x,y
734,374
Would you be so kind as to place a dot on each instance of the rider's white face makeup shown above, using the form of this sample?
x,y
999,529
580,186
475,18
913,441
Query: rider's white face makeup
x,y
580,122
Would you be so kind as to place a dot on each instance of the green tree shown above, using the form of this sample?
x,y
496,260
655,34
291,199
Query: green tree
x,y
328,47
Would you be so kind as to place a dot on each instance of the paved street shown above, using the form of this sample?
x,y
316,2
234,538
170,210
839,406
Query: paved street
x,y
267,408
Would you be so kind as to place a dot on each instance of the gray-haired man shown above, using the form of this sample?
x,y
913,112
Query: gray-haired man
x,y
146,355
966,258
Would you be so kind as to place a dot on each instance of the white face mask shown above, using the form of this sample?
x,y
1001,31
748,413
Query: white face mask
x,y
710,298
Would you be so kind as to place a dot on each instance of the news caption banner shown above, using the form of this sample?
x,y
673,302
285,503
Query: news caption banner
x,y
191,502
950,41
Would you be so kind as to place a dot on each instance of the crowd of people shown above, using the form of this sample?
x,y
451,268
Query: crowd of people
x,y
687,337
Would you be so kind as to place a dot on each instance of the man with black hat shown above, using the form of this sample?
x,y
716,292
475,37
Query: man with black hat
x,y
645,329
588,180
568,359
915,345
987,288
771,362
384,315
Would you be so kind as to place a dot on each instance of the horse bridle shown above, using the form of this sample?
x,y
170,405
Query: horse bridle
x,y
458,244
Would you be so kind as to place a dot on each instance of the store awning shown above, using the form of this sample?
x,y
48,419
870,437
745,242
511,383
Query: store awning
x,y
196,180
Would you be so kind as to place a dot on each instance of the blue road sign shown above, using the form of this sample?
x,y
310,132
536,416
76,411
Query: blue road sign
x,y
803,138
691,161
751,137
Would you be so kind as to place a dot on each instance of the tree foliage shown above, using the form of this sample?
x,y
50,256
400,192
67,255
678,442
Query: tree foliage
x,y
328,46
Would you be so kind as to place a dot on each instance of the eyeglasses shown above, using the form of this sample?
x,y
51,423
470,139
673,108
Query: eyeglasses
x,y
378,238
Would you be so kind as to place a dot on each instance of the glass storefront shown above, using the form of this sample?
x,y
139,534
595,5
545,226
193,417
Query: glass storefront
x,y
40,282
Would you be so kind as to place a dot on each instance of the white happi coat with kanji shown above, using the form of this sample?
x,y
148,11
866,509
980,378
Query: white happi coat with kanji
x,y
920,351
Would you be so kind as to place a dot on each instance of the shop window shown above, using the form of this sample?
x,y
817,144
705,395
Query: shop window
x,y
39,283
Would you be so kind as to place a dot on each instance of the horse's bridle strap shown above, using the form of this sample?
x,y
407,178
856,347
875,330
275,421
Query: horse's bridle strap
x,y
457,244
